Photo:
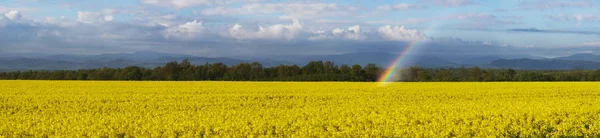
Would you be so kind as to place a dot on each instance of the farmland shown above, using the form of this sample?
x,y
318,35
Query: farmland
x,y
300,109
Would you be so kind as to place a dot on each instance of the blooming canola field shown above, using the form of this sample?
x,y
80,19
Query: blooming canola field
x,y
297,109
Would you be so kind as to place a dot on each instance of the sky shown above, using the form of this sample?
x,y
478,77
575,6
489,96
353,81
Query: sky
x,y
225,28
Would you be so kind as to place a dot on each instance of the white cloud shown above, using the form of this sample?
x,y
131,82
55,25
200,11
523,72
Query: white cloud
x,y
66,6
579,18
156,18
473,16
399,33
108,18
20,10
397,7
187,31
478,20
180,4
320,35
555,4
287,32
595,44
13,15
237,31
110,11
352,33
487,43
88,17
329,21
93,17
467,20
62,21
108,14
450,3
163,20
298,10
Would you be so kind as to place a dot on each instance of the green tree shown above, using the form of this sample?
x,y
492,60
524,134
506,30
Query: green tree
x,y
314,67
371,72
172,70
131,73
444,75
476,74
257,71
217,71
423,75
345,69
357,73
329,67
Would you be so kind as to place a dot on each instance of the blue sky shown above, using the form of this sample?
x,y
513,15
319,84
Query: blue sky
x,y
265,27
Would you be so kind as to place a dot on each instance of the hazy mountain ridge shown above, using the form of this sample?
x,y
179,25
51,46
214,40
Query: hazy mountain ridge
x,y
148,59
545,64
583,57
151,59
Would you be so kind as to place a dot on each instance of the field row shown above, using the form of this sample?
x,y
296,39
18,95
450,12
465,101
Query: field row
x,y
234,109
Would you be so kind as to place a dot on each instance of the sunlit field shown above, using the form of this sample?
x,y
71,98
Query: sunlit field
x,y
297,109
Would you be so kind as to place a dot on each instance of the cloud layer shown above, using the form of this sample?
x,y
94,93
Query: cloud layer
x,y
264,27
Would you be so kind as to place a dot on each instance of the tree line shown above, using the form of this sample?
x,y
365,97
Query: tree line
x,y
313,71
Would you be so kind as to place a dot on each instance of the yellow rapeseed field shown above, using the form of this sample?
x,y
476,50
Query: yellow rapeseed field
x,y
297,109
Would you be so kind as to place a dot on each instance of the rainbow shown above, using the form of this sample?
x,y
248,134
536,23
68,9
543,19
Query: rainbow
x,y
391,69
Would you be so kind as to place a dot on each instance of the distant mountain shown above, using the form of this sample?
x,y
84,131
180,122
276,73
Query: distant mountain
x,y
146,59
21,55
199,60
139,56
584,57
136,56
479,61
35,64
429,62
151,59
544,64
117,63
68,58
378,58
